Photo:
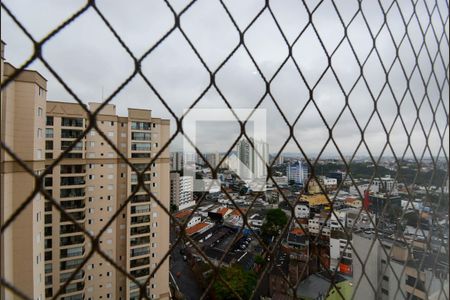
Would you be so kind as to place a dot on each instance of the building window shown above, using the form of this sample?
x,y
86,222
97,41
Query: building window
x,y
49,121
72,122
40,111
39,132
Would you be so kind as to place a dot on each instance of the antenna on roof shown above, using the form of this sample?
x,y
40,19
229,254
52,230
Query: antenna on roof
x,y
103,98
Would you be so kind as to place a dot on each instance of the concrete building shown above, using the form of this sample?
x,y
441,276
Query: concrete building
x,y
212,158
383,203
22,125
386,184
297,171
181,188
91,183
301,211
43,247
253,159
395,272
176,161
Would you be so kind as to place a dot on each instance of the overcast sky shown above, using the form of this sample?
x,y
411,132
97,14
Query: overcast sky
x,y
92,62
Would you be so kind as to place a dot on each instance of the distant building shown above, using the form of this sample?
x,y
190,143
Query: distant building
x,y
212,158
253,160
281,181
329,183
379,203
314,187
181,188
176,161
338,175
361,188
386,184
301,211
340,250
297,172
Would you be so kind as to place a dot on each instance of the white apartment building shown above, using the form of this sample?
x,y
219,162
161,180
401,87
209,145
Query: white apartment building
x,y
181,191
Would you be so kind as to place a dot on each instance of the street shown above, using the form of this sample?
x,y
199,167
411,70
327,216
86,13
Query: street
x,y
186,282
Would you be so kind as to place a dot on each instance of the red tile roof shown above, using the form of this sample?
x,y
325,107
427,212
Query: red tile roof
x,y
222,211
196,228
183,214
297,231
236,212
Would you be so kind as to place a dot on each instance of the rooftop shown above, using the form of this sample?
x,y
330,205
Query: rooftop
x,y
183,214
196,228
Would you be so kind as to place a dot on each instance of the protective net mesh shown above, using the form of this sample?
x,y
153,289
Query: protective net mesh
x,y
420,59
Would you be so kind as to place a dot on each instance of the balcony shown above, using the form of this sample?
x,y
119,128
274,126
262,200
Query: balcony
x,y
71,252
72,193
141,188
140,209
135,263
140,219
141,147
140,136
141,125
136,241
141,167
74,287
140,155
78,296
140,272
73,169
66,144
70,264
75,180
140,199
71,133
73,204
140,230
68,229
63,277
72,122
140,251
77,216
71,240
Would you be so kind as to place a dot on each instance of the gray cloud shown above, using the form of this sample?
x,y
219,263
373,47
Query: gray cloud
x,y
91,60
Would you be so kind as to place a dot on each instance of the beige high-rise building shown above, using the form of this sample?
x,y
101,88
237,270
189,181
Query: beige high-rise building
x,y
22,128
91,183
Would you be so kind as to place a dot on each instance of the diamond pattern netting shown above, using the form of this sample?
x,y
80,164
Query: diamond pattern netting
x,y
427,54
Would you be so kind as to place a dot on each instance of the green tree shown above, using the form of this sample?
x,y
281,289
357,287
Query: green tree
x,y
242,282
259,260
275,220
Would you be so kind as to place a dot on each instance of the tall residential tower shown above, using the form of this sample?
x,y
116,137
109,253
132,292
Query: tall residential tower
x,y
91,183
